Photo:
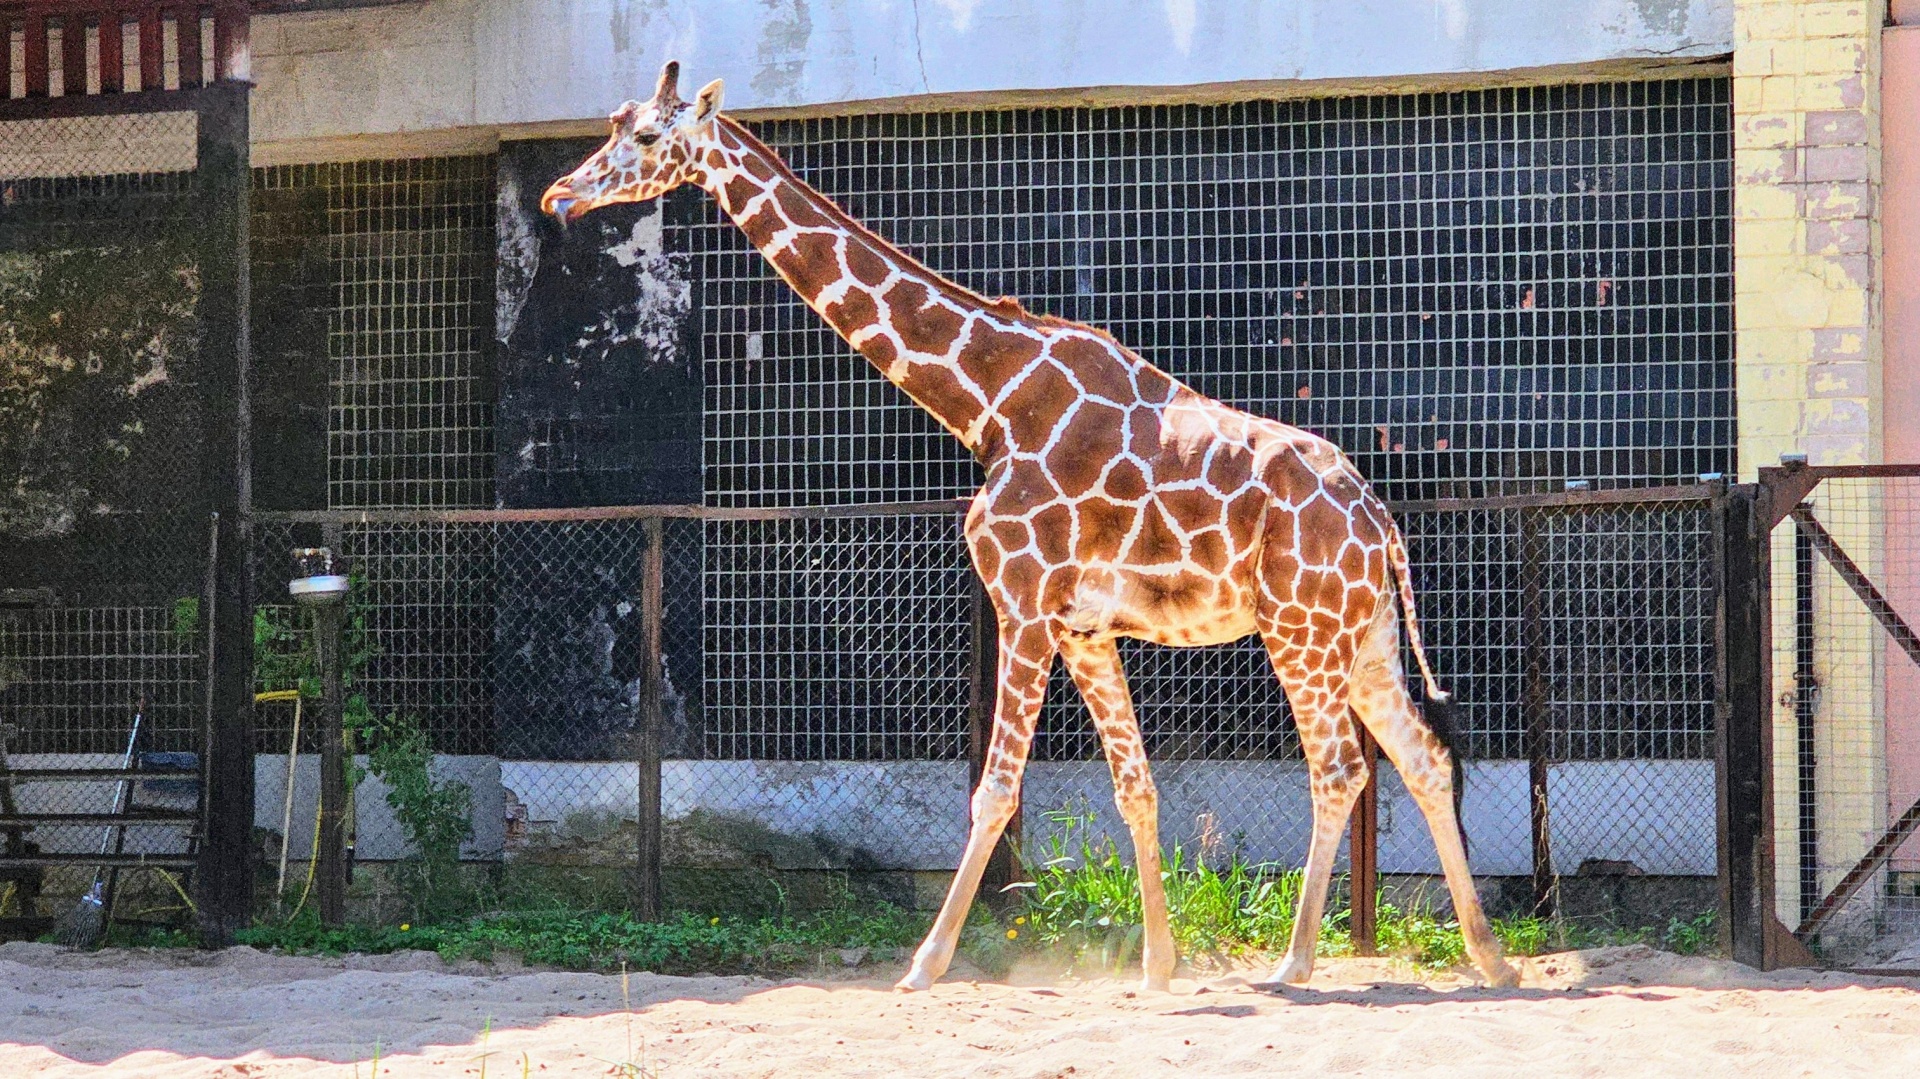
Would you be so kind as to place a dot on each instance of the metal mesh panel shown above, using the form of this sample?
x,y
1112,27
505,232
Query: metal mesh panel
x,y
103,539
1845,694
839,639
411,247
1468,292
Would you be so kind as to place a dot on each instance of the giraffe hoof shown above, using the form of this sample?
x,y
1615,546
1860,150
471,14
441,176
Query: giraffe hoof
x,y
1502,975
1156,983
916,981
1288,973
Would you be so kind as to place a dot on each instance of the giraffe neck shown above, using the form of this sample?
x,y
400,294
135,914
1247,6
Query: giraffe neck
x,y
926,334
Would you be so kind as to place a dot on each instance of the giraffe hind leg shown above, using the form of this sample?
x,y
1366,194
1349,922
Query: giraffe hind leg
x,y
1426,764
1337,772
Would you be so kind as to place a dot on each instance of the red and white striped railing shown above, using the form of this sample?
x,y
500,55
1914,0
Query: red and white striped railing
x,y
69,48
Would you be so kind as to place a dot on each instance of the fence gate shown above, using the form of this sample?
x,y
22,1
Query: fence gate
x,y
1839,564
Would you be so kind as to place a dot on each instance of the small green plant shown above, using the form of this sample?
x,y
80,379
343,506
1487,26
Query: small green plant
x,y
1083,901
1698,935
436,815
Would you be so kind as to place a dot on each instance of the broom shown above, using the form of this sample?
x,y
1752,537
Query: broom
x,y
84,925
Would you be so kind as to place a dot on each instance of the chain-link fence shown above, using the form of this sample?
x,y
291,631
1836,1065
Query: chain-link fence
x,y
815,710
104,544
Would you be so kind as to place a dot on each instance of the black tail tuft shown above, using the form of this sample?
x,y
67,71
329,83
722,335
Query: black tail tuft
x,y
1442,721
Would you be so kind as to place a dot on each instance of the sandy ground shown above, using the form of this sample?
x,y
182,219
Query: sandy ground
x,y
1612,1012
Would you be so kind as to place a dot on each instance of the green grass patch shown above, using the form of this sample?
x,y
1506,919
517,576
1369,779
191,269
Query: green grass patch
x,y
1083,904
684,943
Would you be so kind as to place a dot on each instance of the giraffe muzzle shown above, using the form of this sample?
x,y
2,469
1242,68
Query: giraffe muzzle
x,y
560,202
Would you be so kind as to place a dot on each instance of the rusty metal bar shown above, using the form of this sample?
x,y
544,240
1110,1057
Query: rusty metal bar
x,y
1533,646
1876,604
1897,833
111,60
647,891
1363,856
1568,499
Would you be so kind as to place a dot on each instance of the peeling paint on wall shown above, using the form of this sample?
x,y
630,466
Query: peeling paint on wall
x,y
518,259
91,413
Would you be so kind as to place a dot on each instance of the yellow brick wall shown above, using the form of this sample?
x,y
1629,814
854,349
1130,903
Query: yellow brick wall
x,y
1805,169
1807,351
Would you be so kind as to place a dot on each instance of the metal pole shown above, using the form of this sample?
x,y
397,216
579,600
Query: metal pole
x,y
1533,644
1806,697
1363,855
647,890
330,883
223,179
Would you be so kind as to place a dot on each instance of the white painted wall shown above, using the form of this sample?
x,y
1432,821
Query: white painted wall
x,y
444,65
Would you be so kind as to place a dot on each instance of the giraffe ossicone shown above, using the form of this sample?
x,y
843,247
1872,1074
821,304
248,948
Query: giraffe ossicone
x,y
1118,503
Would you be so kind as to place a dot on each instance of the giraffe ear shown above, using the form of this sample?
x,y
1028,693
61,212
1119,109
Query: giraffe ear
x,y
669,85
706,104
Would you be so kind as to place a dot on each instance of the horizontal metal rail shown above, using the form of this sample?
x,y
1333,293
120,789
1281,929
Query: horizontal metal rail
x,y
35,775
110,861
111,820
1578,499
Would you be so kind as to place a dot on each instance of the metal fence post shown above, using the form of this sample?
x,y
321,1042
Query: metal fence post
x,y
223,180
1744,714
1533,645
647,890
1806,696
1363,855
330,875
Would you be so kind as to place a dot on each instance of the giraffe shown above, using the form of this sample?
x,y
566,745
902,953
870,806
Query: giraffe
x,y
1117,503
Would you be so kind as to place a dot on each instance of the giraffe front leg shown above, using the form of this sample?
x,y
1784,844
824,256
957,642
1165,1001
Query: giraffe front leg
x,y
1095,666
1026,657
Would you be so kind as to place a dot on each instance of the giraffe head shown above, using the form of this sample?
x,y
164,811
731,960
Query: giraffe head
x,y
648,153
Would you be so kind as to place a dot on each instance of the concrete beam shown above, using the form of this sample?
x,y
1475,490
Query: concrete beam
x,y
529,68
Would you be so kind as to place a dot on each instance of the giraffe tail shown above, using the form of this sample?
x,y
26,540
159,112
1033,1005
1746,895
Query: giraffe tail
x,y
1438,710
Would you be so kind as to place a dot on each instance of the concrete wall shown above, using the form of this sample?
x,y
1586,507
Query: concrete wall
x,y
1806,165
1808,367
469,69
913,814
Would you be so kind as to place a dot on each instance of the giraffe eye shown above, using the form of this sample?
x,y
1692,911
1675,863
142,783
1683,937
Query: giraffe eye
x,y
646,138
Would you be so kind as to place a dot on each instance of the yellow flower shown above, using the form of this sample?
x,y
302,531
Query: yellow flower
x,y
404,927
714,921
1012,933
1022,920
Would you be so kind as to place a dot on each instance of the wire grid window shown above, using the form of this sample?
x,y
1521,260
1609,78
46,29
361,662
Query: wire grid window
x,y
837,639
1846,692
411,245
1471,292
